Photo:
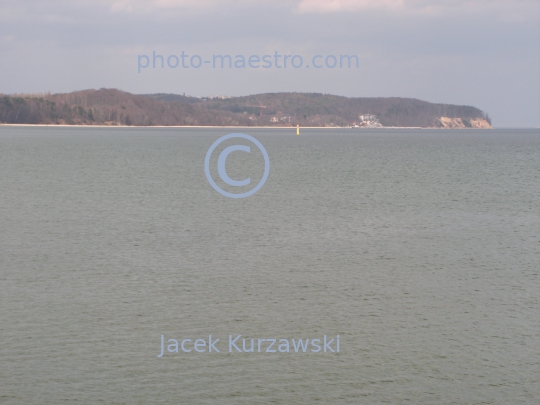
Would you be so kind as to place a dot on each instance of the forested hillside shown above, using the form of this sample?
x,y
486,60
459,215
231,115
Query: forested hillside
x,y
109,107
115,107
324,109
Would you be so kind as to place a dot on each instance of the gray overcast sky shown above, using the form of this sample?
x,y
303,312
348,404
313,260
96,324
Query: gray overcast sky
x,y
484,53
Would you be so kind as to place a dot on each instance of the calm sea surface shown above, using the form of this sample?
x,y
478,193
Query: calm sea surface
x,y
421,249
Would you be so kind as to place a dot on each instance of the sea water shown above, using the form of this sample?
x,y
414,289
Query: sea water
x,y
419,248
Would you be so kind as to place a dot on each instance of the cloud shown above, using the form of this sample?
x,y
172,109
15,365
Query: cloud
x,y
325,6
131,6
516,8
501,10
11,10
169,5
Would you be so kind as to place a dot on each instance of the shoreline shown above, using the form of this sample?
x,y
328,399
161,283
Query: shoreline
x,y
215,126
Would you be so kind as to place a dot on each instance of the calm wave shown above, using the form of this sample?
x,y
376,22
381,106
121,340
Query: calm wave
x,y
421,249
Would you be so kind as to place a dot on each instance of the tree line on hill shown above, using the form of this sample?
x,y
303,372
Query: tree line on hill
x,y
108,107
115,107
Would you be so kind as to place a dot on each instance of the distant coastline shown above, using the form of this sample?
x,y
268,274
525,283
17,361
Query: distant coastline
x,y
115,108
205,126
